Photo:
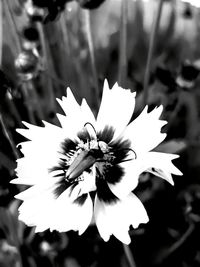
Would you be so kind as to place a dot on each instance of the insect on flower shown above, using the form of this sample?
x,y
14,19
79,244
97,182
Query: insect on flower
x,y
86,158
87,168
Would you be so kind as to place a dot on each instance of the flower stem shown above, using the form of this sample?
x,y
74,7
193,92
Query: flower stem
x,y
177,244
48,66
129,256
6,133
151,50
65,33
18,44
122,71
28,104
9,138
88,31
1,31
8,99
13,27
13,109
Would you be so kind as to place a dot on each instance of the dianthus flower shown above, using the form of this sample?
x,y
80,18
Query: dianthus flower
x,y
86,169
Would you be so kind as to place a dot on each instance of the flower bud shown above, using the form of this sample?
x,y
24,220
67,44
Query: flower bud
x,y
44,10
188,75
34,12
31,38
27,65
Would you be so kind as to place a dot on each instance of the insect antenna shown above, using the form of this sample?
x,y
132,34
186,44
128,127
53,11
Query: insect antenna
x,y
89,123
95,132
129,149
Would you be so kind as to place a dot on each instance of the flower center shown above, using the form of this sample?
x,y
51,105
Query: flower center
x,y
79,159
86,155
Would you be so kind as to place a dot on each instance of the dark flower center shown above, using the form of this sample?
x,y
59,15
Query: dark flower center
x,y
78,157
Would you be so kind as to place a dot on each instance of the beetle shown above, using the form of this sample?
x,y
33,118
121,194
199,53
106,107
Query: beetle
x,y
83,162
88,157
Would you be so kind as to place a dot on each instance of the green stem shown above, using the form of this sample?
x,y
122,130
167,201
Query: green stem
x,y
151,50
65,33
48,66
9,137
35,100
28,103
122,72
8,99
14,31
88,31
13,109
1,32
13,27
177,244
129,256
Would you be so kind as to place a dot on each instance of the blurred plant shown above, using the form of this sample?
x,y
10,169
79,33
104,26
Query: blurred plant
x,y
46,11
31,38
27,65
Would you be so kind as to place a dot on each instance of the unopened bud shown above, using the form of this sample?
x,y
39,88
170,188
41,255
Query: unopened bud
x,y
31,38
27,65
188,75
34,12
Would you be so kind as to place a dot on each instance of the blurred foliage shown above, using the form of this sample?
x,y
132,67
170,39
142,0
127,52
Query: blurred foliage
x,y
79,48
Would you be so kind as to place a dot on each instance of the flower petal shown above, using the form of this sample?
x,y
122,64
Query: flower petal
x,y
47,147
42,208
39,158
36,190
87,113
89,181
41,154
70,105
36,210
36,132
159,164
75,215
76,115
128,181
144,132
116,108
69,126
116,217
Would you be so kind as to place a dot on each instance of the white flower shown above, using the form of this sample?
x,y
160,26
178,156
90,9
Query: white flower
x,y
88,167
